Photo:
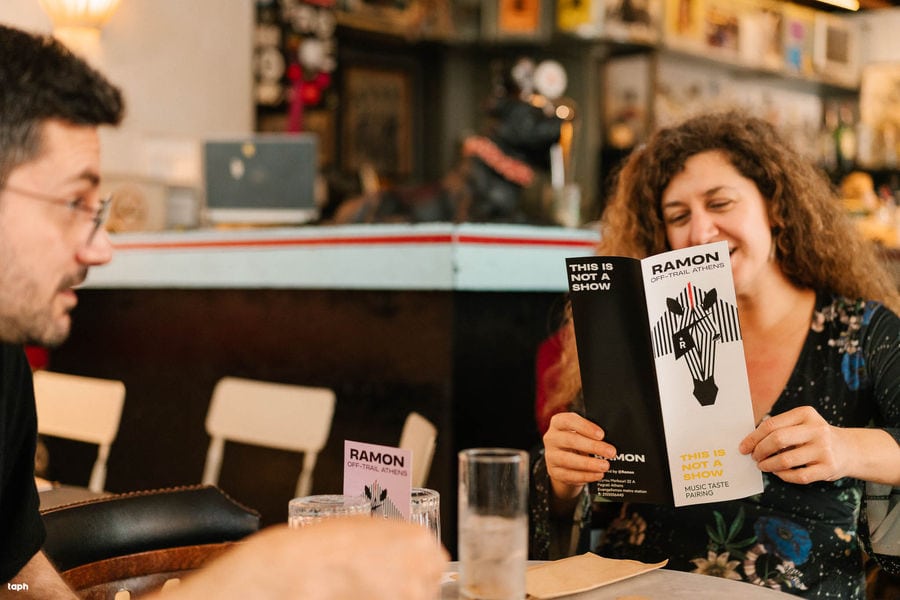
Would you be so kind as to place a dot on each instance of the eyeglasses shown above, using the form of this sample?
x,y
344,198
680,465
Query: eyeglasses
x,y
98,215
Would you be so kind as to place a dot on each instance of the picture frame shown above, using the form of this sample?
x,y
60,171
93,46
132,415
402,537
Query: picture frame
x,y
583,18
394,18
322,123
836,49
627,100
683,25
799,33
761,41
520,20
879,114
518,17
377,120
721,28
633,21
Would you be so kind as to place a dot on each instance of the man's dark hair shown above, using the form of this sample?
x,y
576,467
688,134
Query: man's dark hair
x,y
40,79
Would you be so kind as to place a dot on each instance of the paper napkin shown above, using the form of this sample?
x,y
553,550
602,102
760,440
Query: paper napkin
x,y
580,573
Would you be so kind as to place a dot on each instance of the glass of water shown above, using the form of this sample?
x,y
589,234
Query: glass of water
x,y
425,510
493,523
307,510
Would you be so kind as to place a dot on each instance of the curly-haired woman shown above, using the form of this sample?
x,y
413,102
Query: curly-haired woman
x,y
822,344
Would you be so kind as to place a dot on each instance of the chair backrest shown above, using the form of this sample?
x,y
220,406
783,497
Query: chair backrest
x,y
138,575
85,409
136,522
419,435
275,415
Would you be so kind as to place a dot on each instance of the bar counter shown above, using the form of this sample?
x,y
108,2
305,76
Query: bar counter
x,y
441,256
442,319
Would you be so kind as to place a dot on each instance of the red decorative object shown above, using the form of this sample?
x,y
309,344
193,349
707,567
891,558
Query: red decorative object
x,y
510,168
294,54
304,93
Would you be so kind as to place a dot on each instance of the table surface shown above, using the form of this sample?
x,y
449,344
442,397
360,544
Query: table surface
x,y
660,584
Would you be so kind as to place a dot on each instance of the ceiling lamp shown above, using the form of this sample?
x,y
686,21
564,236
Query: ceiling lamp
x,y
79,14
847,4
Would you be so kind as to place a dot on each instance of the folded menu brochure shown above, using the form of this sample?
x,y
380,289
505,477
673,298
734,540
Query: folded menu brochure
x,y
579,574
663,372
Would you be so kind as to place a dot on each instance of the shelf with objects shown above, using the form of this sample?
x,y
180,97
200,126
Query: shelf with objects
x,y
784,62
438,63
863,146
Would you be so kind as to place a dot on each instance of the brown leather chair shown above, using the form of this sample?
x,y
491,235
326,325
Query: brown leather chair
x,y
137,541
134,575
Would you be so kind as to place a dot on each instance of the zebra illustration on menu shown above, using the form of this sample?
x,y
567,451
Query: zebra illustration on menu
x,y
692,327
382,505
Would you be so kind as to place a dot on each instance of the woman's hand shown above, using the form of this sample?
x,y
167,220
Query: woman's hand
x,y
572,446
799,446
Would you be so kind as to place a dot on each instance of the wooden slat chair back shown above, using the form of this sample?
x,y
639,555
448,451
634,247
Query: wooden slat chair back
x,y
85,409
275,415
420,436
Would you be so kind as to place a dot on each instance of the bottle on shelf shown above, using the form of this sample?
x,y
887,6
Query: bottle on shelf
x,y
845,139
827,147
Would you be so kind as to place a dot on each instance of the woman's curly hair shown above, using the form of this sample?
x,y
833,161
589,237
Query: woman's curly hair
x,y
816,244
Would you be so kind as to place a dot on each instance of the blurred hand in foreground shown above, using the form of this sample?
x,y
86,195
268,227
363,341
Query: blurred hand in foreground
x,y
356,557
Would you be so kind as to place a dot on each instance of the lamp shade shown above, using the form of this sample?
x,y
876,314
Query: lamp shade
x,y
847,4
91,14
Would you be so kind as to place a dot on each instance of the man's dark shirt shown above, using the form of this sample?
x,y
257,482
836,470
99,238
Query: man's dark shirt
x,y
21,529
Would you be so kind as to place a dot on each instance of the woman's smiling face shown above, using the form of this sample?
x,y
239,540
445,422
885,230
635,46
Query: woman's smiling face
x,y
710,201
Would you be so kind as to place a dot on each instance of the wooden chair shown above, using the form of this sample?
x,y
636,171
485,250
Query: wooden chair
x,y
275,415
420,436
85,409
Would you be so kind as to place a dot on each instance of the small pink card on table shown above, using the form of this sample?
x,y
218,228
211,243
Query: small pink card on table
x,y
381,473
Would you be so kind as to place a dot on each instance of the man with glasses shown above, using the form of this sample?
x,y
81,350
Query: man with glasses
x,y
51,233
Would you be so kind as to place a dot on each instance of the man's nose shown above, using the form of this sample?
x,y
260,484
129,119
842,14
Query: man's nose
x,y
98,251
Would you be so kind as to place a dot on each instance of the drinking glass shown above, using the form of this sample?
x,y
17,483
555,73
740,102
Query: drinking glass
x,y
307,510
493,523
425,510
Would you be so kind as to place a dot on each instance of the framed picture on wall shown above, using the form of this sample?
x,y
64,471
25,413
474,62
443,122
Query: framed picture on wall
x,y
529,20
879,114
582,17
392,17
836,49
627,85
721,25
633,20
519,17
377,120
683,28
799,30
761,41
321,123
